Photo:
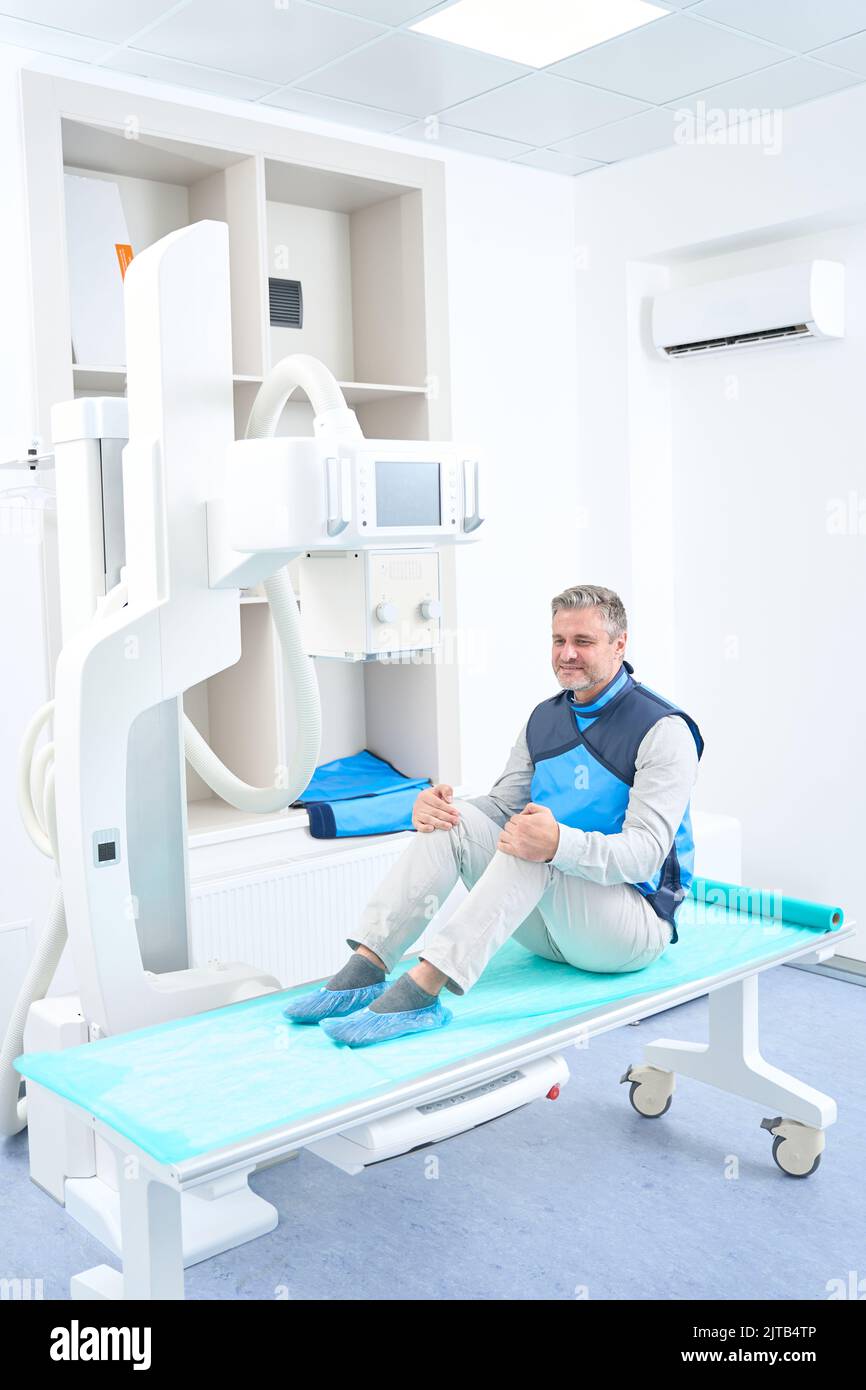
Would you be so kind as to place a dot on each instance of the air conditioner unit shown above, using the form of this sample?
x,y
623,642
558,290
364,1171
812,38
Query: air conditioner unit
x,y
791,304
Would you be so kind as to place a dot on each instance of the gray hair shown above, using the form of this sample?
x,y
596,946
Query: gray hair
x,y
609,604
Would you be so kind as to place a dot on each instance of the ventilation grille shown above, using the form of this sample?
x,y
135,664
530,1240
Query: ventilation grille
x,y
287,303
408,568
767,335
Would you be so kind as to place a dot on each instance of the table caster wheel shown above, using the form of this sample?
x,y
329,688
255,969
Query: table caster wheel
x,y
651,1090
646,1105
797,1148
784,1159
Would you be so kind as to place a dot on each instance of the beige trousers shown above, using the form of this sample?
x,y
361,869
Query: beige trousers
x,y
599,927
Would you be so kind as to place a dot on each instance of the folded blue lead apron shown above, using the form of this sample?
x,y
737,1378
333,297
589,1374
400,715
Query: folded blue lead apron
x,y
185,1088
359,795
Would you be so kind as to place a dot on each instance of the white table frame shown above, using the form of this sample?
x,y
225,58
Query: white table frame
x,y
150,1191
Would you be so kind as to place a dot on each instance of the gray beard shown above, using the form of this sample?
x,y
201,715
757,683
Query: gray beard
x,y
586,685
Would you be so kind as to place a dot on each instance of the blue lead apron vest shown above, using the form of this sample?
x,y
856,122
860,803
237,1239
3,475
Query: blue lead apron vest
x,y
584,758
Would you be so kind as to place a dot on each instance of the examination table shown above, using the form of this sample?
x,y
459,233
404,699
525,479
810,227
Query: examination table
x,y
204,1100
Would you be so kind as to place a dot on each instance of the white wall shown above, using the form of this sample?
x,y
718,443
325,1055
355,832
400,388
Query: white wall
x,y
727,474
16,338
513,359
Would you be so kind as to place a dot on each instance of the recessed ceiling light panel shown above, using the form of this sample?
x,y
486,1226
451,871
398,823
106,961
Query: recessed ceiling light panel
x,y
536,32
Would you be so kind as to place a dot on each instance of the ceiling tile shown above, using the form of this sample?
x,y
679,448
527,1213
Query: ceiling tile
x,y
536,32
44,40
848,53
796,24
670,57
327,109
541,109
649,130
114,20
470,141
226,84
259,38
785,84
406,72
383,11
554,163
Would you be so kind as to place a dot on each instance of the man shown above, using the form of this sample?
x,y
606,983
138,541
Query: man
x,y
582,851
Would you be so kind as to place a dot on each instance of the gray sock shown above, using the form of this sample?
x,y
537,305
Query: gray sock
x,y
403,995
357,973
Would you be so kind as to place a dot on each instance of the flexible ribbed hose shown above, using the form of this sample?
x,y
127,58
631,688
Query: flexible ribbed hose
x,y
27,760
298,372
36,807
300,677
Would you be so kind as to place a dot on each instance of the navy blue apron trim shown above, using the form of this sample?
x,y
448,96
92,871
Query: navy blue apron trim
x,y
696,733
569,707
323,825
669,894
604,762
612,703
555,752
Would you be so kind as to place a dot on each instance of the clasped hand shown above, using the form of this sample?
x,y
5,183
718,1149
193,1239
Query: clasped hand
x,y
533,834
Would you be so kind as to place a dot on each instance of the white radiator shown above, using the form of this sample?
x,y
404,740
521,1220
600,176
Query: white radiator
x,y
292,919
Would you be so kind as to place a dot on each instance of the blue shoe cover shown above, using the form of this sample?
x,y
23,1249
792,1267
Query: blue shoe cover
x,y
332,1003
370,1027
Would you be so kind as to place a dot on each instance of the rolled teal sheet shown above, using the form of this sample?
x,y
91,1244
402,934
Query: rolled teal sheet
x,y
185,1088
765,903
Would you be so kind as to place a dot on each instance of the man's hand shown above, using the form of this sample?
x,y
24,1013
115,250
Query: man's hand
x,y
533,834
433,809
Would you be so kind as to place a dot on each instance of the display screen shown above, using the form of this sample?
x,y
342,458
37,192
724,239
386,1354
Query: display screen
x,y
407,494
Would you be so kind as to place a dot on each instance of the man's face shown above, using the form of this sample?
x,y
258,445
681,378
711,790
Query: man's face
x,y
584,658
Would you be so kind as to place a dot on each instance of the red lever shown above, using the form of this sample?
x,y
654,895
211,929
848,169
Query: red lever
x,y
553,1093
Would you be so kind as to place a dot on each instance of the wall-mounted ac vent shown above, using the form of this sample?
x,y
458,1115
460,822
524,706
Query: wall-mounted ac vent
x,y
286,302
789,304
770,335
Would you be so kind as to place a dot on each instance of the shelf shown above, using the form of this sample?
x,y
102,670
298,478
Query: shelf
x,y
88,378
363,392
114,378
211,820
211,815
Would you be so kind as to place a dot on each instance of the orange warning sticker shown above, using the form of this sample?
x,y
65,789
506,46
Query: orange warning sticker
x,y
124,256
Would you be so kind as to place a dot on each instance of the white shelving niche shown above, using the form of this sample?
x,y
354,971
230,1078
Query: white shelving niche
x,y
362,229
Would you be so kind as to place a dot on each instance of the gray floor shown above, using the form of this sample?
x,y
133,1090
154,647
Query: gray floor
x,y
578,1198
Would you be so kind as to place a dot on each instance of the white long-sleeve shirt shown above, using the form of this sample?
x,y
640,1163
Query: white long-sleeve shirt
x,y
665,771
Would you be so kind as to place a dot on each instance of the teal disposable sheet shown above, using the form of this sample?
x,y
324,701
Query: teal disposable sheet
x,y
759,902
185,1088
